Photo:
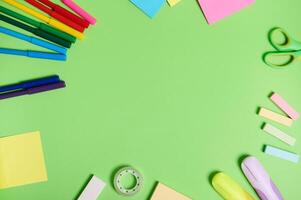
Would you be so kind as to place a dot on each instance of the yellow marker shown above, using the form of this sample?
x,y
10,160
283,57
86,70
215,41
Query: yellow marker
x,y
228,188
48,20
21,160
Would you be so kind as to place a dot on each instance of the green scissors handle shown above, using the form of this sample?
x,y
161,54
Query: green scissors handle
x,y
280,59
286,43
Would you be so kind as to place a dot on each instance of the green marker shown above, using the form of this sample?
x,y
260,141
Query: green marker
x,y
40,25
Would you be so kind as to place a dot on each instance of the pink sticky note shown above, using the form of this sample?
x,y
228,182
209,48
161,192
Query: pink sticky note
x,y
215,10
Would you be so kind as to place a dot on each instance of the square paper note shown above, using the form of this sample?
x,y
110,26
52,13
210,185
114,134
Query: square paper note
x,y
21,160
173,2
149,7
215,10
162,192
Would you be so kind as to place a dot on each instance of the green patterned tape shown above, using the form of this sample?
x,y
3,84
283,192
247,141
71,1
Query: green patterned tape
x,y
128,191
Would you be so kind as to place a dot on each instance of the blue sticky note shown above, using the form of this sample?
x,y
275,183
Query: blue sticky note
x,y
273,151
149,7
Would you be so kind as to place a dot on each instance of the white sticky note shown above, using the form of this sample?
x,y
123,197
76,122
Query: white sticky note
x,y
275,117
93,189
279,134
273,151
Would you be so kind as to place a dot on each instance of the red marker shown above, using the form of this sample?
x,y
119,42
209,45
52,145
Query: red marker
x,y
56,15
75,18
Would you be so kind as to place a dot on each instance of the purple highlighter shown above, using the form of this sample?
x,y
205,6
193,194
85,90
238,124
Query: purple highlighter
x,y
260,179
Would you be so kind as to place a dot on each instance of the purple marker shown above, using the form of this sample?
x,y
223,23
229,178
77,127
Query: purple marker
x,y
33,90
260,179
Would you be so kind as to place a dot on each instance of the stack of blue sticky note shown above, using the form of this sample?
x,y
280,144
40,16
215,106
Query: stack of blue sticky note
x,y
149,7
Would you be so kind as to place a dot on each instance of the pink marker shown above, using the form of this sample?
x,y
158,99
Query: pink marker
x,y
284,106
79,11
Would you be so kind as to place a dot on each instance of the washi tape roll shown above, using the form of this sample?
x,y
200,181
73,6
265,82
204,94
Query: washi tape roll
x,y
122,189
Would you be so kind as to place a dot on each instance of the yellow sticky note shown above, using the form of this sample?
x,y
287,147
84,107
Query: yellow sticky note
x,y
162,192
173,2
21,160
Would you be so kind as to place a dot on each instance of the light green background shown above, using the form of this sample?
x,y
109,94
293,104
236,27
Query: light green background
x,y
173,97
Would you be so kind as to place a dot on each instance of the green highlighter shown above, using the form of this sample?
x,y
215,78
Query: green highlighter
x,y
228,188
42,26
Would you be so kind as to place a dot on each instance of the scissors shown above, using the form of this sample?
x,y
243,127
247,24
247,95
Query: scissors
x,y
287,51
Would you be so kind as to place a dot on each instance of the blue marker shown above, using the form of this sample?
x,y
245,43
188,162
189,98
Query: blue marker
x,y
30,84
60,55
34,54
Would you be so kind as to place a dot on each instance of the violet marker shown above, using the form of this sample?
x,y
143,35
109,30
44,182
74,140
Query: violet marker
x,y
33,90
260,179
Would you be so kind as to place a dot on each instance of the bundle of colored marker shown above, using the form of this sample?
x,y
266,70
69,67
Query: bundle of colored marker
x,y
287,120
58,25
31,87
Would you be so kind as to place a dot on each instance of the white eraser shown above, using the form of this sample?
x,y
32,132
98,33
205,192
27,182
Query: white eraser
x,y
93,189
